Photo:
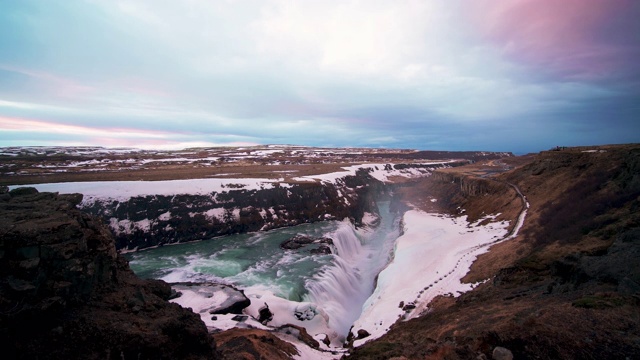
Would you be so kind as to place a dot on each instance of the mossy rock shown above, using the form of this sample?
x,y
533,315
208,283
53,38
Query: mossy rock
x,y
21,191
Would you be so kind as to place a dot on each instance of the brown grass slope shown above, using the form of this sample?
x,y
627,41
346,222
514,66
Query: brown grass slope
x,y
568,287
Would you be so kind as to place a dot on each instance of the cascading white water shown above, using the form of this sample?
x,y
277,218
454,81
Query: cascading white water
x,y
342,288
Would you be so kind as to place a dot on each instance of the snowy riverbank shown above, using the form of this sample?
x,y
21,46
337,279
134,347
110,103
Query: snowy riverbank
x,y
431,257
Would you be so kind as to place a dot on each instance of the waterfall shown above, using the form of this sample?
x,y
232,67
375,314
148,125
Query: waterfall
x,y
337,285
343,287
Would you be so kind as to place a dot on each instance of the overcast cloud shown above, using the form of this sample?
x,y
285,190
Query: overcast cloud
x,y
522,75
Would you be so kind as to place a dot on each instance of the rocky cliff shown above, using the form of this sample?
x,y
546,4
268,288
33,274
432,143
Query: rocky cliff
x,y
141,222
470,186
66,294
566,288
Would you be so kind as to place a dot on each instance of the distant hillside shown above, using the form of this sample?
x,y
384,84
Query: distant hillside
x,y
34,165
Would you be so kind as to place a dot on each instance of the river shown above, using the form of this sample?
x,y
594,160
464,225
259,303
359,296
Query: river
x,y
334,285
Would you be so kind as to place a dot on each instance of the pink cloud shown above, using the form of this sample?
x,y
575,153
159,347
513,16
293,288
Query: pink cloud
x,y
42,126
78,135
578,39
159,144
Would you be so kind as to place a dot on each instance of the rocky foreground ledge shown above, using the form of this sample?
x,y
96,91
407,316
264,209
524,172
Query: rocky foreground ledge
x,y
66,294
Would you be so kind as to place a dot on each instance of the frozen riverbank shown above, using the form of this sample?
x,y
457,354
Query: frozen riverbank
x,y
430,258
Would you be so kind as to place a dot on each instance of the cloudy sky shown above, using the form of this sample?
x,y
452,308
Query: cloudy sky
x,y
507,75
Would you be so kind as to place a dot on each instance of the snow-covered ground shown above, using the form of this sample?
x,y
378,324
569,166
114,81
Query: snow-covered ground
x,y
431,257
123,190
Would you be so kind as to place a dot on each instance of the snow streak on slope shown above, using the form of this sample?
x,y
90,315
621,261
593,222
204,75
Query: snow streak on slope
x,y
382,172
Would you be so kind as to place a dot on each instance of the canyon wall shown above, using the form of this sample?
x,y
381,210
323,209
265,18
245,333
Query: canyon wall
x,y
141,222
470,185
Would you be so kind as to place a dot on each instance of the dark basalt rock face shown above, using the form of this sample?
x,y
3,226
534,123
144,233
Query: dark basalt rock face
x,y
66,294
146,221
265,314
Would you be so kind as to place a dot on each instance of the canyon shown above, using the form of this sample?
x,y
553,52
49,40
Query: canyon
x,y
572,263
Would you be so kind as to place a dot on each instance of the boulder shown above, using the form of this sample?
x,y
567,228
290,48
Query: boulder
x,y
409,306
305,312
234,304
265,315
22,191
300,241
300,333
240,318
500,353
326,340
296,242
321,250
234,299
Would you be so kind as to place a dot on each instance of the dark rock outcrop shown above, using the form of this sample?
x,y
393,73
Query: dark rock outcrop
x,y
300,241
66,294
321,250
265,314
